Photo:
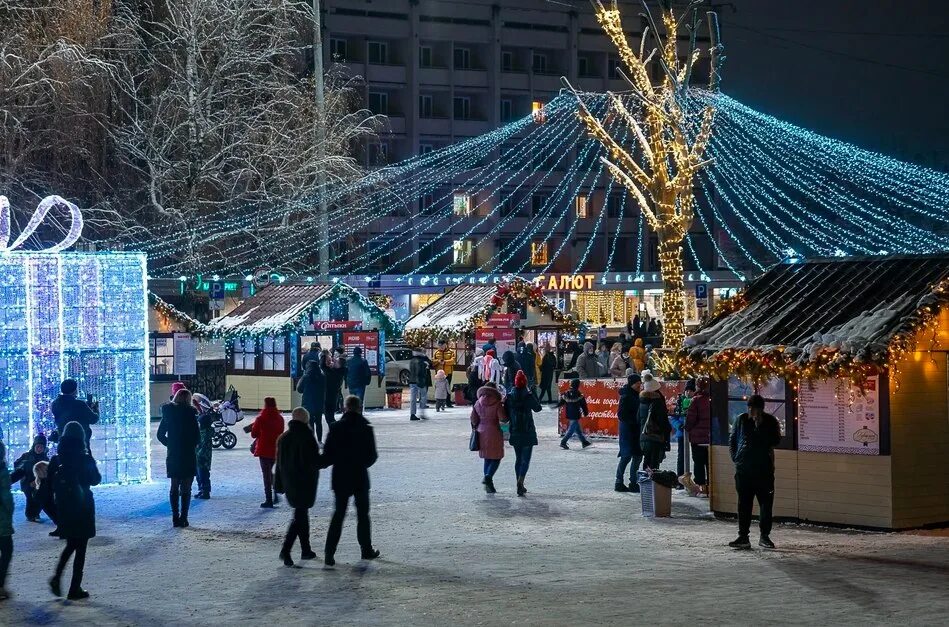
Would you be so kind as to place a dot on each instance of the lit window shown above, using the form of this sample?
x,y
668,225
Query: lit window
x,y
464,252
462,204
245,354
538,253
273,351
583,206
161,352
537,111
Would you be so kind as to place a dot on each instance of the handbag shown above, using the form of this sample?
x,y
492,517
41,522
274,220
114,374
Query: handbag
x,y
474,442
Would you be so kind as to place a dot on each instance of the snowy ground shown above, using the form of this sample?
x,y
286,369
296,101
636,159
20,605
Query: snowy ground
x,y
572,552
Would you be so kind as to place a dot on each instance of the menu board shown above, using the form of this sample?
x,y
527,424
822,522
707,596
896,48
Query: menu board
x,y
836,417
368,341
185,354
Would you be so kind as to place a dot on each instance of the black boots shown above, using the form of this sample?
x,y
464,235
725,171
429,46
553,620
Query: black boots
x,y
620,487
489,485
185,506
175,514
521,490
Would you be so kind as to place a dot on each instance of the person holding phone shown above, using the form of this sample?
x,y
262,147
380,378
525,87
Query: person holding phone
x,y
68,408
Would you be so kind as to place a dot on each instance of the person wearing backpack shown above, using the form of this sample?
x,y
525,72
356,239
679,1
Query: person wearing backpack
x,y
72,472
520,406
654,435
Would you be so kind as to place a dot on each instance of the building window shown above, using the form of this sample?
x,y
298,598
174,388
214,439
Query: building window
x,y
338,49
462,59
425,106
507,61
538,253
273,351
540,63
425,56
462,204
379,102
426,204
613,203
583,66
245,354
425,148
462,108
378,52
537,204
161,355
507,109
614,68
505,204
583,206
464,252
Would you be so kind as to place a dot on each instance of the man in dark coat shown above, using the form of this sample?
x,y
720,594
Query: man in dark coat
x,y
526,361
298,472
420,379
313,354
509,361
751,445
334,367
351,450
629,449
548,365
68,408
358,375
312,385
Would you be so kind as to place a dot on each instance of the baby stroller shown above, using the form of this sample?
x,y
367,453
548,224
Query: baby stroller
x,y
226,413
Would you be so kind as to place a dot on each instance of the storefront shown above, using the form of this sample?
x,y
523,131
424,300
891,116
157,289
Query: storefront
x,y
851,358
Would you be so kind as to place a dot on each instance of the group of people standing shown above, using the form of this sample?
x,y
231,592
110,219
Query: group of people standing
x,y
321,384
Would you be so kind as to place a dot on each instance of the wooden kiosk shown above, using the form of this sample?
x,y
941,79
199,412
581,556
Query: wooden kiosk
x,y
851,357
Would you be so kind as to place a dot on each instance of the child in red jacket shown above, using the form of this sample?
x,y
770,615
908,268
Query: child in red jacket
x,y
266,429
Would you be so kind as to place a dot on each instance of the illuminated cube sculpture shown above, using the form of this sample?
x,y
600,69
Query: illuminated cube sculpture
x,y
81,316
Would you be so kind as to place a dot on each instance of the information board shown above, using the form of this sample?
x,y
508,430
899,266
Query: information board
x,y
835,417
368,341
186,359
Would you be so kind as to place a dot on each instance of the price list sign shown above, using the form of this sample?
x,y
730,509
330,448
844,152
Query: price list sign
x,y
836,417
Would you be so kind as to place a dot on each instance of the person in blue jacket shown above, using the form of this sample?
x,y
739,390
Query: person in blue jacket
x,y
358,375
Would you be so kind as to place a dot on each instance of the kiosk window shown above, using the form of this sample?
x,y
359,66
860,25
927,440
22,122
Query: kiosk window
x,y
274,351
245,354
775,400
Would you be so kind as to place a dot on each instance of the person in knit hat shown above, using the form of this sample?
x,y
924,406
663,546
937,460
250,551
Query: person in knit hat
x,y
441,390
629,449
520,406
655,430
576,408
23,472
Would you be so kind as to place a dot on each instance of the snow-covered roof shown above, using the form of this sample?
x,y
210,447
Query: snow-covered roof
x,y
453,308
271,307
845,305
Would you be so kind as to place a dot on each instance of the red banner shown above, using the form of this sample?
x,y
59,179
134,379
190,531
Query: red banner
x,y
603,402
337,325
368,341
505,321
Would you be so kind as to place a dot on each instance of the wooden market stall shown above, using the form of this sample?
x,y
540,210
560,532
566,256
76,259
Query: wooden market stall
x,y
851,357
268,333
469,314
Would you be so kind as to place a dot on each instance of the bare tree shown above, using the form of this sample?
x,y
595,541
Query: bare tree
x,y
224,132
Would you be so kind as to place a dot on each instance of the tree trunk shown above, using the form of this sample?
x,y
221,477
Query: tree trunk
x,y
673,297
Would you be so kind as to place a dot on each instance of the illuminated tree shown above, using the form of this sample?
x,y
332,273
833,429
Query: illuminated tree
x,y
660,167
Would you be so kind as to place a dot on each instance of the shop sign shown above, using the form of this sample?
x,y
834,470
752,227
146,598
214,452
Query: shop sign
x,y
507,321
565,282
337,325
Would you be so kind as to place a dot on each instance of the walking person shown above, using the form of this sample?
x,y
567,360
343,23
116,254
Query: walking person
x,y
486,417
312,385
297,475
751,445
629,448
441,390
178,431
23,472
68,408
351,451
419,381
267,427
698,425
72,473
653,422
576,408
6,523
358,374
519,407
444,359
548,367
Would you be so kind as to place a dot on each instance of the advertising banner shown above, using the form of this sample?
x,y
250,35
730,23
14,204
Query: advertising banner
x,y
603,402
368,341
504,338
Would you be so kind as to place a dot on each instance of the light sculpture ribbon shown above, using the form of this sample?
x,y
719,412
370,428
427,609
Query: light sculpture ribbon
x,y
75,228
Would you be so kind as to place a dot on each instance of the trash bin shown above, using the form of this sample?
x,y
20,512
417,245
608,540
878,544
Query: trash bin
x,y
656,497
394,397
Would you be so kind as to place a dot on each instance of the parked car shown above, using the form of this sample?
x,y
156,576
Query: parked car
x,y
397,365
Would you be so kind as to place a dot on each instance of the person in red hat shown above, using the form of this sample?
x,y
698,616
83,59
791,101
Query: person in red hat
x,y
266,429
521,405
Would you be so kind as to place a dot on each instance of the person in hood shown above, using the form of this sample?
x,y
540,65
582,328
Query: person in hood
x,y
751,445
6,523
444,359
265,430
652,330
351,451
486,417
297,474
576,408
520,406
312,385
23,472
179,432
655,429
511,368
603,356
494,368
637,355
526,362
68,408
548,368
441,390
629,448
358,374
617,363
420,379
72,473
474,373
698,424
587,365
313,354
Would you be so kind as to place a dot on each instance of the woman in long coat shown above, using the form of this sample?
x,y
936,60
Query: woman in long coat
x,y
486,418
178,431
298,471
629,449
655,430
72,471
313,387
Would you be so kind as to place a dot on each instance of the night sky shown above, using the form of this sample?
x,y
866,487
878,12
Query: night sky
x,y
871,72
